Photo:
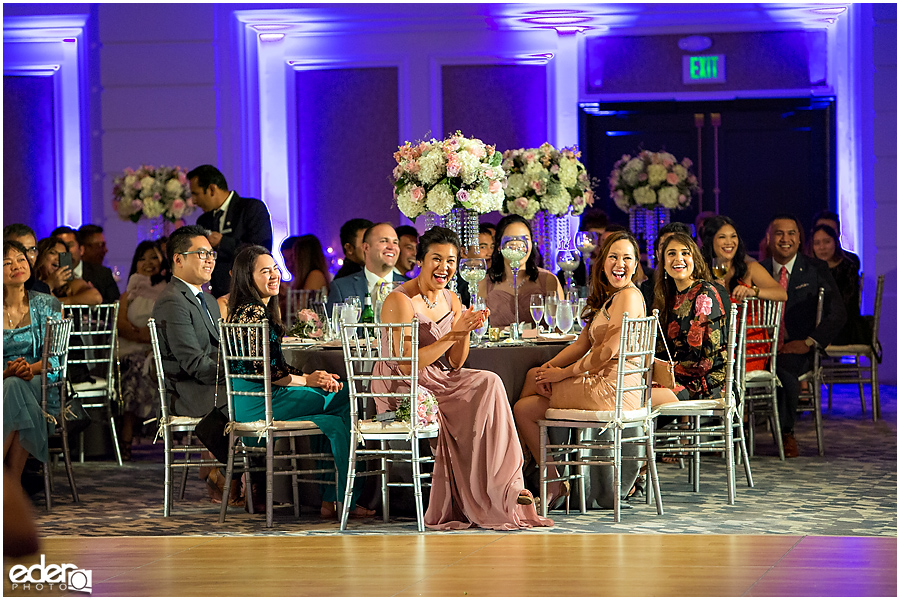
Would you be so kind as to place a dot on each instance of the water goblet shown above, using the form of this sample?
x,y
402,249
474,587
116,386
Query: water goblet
x,y
564,318
337,318
568,261
550,304
586,242
355,302
537,309
477,334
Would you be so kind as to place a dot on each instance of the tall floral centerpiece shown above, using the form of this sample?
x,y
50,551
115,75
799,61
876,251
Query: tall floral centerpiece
x,y
647,187
544,184
450,181
154,194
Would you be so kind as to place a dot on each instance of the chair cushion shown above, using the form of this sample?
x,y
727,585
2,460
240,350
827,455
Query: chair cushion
x,y
368,426
758,375
848,350
255,426
594,416
98,384
688,406
176,421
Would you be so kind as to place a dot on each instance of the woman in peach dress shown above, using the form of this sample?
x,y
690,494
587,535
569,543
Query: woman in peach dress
x,y
477,478
583,375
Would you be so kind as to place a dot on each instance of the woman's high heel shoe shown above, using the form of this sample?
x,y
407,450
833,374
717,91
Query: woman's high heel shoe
x,y
525,498
564,491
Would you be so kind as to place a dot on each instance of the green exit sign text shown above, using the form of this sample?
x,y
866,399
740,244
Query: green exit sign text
x,y
708,68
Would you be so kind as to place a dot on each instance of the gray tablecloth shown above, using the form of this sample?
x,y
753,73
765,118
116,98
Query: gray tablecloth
x,y
510,363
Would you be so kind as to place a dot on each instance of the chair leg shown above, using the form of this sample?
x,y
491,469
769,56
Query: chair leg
x,y
229,471
167,478
294,488
695,458
67,457
542,470
817,403
417,483
385,479
729,456
115,436
829,399
775,419
348,489
47,484
862,392
873,378
270,483
184,470
743,446
617,474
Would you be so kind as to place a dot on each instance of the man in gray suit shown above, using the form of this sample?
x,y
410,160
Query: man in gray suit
x,y
381,248
187,319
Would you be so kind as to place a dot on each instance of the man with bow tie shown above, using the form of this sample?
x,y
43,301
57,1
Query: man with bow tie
x,y
232,220
801,276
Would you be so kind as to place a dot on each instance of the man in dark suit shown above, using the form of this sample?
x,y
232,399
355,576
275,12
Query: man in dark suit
x,y
232,221
351,242
97,275
381,248
801,276
187,319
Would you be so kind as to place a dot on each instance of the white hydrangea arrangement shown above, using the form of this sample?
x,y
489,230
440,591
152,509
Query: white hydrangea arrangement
x,y
152,192
438,176
652,179
546,179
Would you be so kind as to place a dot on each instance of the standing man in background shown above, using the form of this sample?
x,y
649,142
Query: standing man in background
x,y
233,221
351,241
409,239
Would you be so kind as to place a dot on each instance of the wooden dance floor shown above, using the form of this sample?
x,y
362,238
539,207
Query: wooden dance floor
x,y
478,564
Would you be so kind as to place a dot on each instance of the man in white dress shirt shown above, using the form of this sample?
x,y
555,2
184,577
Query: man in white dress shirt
x,y
381,248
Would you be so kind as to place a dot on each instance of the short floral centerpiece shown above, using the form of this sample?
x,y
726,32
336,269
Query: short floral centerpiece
x,y
426,410
307,325
647,187
546,179
450,181
152,192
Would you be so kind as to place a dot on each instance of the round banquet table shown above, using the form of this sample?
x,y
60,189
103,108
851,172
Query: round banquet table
x,y
511,363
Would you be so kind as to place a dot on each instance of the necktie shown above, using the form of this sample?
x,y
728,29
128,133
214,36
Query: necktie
x,y
204,306
217,218
783,282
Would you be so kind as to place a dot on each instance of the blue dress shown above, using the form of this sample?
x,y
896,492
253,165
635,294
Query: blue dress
x,y
330,411
22,399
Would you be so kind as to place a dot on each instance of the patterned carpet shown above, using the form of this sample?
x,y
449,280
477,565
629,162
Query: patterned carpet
x,y
851,491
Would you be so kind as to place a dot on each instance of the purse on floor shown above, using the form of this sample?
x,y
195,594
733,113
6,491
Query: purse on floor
x,y
664,371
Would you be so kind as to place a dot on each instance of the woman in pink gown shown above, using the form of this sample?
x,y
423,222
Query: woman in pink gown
x,y
477,478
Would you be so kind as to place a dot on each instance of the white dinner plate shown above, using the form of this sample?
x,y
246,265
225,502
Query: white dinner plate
x,y
556,337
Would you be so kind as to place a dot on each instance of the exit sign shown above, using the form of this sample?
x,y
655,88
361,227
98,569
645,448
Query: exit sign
x,y
707,68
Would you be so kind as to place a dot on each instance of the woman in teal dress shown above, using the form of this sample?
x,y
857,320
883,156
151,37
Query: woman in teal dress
x,y
24,317
318,397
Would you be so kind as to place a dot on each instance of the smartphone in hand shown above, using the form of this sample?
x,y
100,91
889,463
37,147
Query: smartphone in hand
x,y
65,260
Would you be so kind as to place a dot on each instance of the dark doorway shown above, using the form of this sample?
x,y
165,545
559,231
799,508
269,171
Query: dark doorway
x,y
774,155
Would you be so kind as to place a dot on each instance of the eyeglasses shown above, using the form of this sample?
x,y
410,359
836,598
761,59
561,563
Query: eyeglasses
x,y
31,250
202,254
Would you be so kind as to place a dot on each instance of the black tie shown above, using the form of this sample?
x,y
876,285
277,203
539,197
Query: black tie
x,y
203,304
217,217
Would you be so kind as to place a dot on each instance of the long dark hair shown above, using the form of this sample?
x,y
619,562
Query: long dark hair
x,y
43,247
664,289
497,272
139,253
243,291
601,289
710,228
11,245
838,249
309,257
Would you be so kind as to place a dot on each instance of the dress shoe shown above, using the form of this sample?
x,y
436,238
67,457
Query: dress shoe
x,y
790,445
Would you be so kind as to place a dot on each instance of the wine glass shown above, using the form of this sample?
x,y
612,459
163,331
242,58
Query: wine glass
x,y
586,242
568,261
537,309
564,317
478,304
720,267
356,304
550,304
472,270
337,318
514,248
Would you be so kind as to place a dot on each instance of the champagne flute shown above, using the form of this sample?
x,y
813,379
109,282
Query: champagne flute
x,y
537,310
472,270
564,318
550,304
720,267
337,318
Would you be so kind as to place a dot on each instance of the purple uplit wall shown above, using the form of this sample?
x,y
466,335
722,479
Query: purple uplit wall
x,y
347,130
29,178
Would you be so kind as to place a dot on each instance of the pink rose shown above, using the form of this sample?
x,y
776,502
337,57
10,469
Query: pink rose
x,y
137,204
682,199
489,173
412,167
453,166
529,157
462,196
577,201
178,204
692,179
396,172
521,203
672,179
686,163
703,304
476,151
495,187
554,169
137,184
156,196
668,162
418,193
642,177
